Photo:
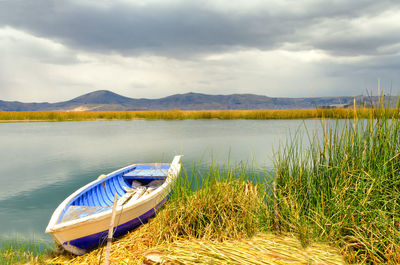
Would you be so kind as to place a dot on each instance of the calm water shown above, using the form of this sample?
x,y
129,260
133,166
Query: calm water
x,y
42,163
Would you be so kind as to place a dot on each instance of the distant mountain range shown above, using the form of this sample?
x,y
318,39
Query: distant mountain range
x,y
102,100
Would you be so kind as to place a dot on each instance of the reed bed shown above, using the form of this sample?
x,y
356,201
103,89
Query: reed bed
x,y
337,113
344,188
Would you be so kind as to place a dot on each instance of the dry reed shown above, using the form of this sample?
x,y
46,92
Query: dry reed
x,y
264,248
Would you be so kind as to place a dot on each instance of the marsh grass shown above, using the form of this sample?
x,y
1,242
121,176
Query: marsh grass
x,y
336,113
344,188
221,203
17,249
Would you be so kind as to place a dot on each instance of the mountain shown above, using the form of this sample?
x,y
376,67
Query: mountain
x,y
99,97
97,100
107,100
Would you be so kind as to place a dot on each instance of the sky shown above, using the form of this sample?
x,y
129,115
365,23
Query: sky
x,y
54,50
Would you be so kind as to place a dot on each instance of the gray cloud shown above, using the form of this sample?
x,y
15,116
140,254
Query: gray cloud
x,y
190,28
140,29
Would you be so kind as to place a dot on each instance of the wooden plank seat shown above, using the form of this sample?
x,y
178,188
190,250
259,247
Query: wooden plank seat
x,y
147,173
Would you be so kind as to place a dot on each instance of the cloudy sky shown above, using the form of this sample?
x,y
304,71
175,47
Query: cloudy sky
x,y
54,50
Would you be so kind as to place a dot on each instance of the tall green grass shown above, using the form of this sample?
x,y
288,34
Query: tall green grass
x,y
344,187
337,113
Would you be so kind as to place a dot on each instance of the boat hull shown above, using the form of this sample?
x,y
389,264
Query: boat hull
x,y
84,244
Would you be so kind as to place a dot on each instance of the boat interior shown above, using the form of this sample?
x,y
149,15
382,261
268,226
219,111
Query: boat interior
x,y
129,184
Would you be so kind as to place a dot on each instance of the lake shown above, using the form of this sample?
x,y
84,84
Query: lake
x,y
42,163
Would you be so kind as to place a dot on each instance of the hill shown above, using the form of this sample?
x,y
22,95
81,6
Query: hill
x,y
106,100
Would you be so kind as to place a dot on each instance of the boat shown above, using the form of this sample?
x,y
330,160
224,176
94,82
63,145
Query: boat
x,y
80,223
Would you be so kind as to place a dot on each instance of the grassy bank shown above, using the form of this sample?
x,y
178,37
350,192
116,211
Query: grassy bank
x,y
337,113
218,218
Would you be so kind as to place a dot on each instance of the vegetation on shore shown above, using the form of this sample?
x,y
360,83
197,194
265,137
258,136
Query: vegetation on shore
x,y
345,188
335,113
20,250
218,218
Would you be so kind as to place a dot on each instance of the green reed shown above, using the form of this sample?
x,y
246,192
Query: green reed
x,y
345,187
18,249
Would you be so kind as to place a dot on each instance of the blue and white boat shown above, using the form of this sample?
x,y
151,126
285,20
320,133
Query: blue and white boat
x,y
80,223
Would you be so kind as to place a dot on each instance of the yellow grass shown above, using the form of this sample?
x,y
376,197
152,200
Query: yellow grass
x,y
263,248
340,113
